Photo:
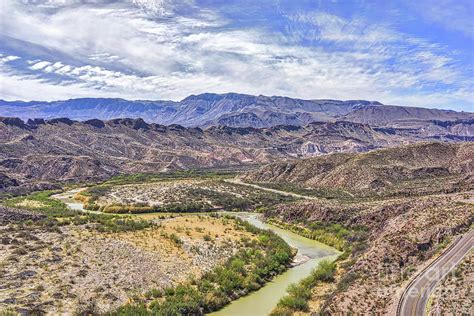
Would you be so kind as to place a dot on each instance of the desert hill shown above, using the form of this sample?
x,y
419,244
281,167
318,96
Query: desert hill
x,y
63,149
378,170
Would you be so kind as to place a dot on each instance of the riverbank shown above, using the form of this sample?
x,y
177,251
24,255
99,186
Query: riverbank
x,y
310,253
263,301
260,268
73,262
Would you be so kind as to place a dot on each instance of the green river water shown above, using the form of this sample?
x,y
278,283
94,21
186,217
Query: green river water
x,y
261,302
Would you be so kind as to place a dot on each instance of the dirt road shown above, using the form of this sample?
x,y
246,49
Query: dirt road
x,y
238,181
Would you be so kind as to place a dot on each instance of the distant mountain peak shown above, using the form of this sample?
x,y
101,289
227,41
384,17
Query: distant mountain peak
x,y
208,96
232,109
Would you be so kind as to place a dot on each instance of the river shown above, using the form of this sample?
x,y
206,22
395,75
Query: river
x,y
261,302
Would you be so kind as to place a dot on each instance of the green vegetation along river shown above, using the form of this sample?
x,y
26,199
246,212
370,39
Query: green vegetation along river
x,y
264,300
68,199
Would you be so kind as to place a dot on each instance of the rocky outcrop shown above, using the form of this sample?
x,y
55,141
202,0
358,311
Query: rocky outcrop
x,y
95,122
13,121
63,120
6,181
12,215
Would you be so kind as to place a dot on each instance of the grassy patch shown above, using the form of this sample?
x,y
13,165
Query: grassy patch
x,y
41,202
141,209
8,312
252,266
334,235
58,214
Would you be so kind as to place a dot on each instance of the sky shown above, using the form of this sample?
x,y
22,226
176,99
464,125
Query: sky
x,y
403,52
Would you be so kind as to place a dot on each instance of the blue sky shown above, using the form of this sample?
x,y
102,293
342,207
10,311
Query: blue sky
x,y
404,52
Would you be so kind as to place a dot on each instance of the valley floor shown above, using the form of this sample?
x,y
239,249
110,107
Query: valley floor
x,y
139,249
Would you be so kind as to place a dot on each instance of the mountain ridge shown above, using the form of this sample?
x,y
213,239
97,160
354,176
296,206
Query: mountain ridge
x,y
387,170
62,149
231,109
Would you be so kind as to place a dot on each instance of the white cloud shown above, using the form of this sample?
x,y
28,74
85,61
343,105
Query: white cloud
x,y
104,57
334,28
40,65
7,59
454,15
18,87
153,53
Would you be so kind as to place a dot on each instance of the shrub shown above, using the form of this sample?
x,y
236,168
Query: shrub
x,y
293,303
244,272
174,238
299,294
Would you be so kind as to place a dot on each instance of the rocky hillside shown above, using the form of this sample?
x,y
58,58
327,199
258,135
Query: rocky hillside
x,y
427,193
230,109
393,170
454,294
63,149
390,115
402,235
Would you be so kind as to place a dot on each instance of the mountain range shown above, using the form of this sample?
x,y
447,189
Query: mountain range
x,y
83,139
234,110
66,150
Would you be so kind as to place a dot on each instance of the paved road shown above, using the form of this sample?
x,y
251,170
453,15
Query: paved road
x,y
238,181
415,298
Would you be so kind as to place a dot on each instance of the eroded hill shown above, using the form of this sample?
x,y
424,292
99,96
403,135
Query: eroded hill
x,y
406,204
66,150
408,170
